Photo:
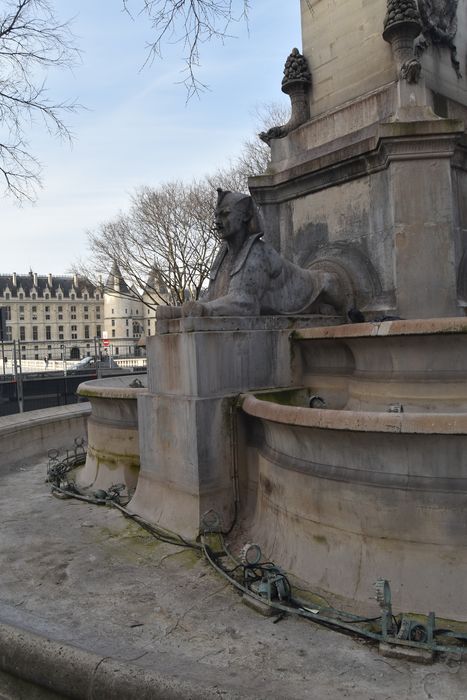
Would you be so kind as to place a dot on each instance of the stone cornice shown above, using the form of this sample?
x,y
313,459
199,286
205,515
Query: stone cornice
x,y
368,151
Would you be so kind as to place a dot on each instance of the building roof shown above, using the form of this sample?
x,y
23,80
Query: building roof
x,y
116,281
67,284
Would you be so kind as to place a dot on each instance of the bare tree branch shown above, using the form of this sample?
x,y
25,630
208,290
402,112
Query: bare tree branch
x,y
254,156
191,23
32,42
164,246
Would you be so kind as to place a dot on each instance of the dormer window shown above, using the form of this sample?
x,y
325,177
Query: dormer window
x,y
72,296
46,295
85,297
33,295
7,295
21,295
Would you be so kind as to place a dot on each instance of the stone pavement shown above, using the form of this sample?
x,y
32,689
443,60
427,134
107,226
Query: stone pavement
x,y
160,622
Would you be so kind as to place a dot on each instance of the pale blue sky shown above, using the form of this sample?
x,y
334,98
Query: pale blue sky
x,y
137,128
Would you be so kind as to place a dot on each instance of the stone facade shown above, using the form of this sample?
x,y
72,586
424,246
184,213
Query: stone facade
x,y
46,312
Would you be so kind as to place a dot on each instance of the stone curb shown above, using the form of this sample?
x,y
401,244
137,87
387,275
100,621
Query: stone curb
x,y
83,675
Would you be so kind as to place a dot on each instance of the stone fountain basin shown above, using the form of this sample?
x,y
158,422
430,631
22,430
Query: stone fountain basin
x,y
113,443
344,497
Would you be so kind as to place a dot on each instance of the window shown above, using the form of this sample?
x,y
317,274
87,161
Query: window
x,y
126,311
7,295
60,332
127,333
8,333
137,312
72,296
59,296
113,311
35,333
73,312
126,322
34,295
22,333
21,295
47,313
85,297
98,312
113,332
113,322
60,311
86,313
21,313
74,334
34,313
86,331
47,296
98,332
48,332
97,297
116,351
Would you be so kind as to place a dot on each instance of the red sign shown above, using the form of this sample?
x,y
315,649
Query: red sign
x,y
106,342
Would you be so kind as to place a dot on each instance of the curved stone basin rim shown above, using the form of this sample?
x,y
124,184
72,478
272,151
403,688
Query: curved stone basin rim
x,y
424,326
102,388
363,421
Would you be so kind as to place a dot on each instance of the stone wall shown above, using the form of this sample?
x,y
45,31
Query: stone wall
x,y
25,438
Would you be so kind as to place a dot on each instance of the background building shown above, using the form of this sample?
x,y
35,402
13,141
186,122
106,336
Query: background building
x,y
65,317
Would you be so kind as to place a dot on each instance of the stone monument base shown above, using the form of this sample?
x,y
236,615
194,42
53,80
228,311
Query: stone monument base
x,y
197,369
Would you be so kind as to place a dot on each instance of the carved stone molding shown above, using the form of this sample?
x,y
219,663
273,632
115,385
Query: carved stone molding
x,y
375,151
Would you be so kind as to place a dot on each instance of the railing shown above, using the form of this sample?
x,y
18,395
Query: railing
x,y
59,365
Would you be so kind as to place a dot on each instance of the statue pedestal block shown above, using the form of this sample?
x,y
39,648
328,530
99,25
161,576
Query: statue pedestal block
x,y
197,367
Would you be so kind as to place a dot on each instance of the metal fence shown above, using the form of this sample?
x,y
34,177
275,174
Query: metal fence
x,y
28,383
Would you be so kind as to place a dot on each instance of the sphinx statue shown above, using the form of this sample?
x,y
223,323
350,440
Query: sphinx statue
x,y
250,278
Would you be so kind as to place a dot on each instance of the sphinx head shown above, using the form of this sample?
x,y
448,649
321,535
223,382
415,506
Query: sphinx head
x,y
236,216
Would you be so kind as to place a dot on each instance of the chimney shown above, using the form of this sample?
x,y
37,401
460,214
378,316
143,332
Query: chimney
x,y
75,281
34,277
14,279
49,279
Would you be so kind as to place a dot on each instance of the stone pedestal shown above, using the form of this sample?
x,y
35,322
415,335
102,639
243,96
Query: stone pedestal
x,y
386,204
197,368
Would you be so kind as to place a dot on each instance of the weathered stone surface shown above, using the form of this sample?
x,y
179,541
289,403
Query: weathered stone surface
x,y
350,492
113,442
187,422
372,203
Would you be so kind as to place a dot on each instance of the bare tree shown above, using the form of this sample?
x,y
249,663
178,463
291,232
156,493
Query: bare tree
x,y
164,246
192,23
32,42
